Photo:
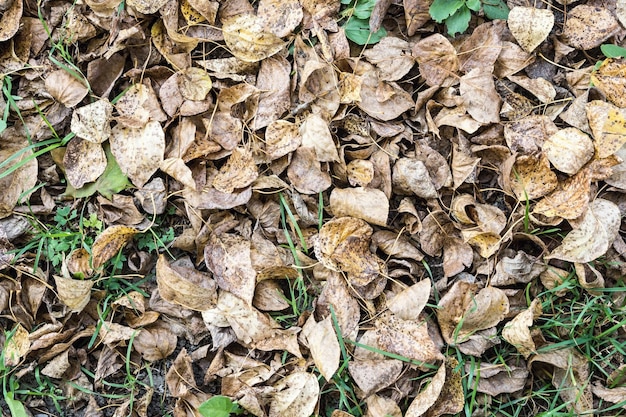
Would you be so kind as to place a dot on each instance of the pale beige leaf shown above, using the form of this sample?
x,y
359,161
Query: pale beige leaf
x,y
479,96
66,89
517,331
84,162
487,243
457,255
113,333
570,199
155,343
408,304
530,26
587,26
194,83
280,17
323,344
108,243
411,176
378,406
612,395
499,379
57,366
139,152
73,293
360,172
296,395
408,338
247,39
373,375
228,257
273,82
392,58
610,78
528,135
180,283
451,400
315,134
269,296
21,182
305,174
593,236
146,6
238,172
482,47
427,398
369,204
347,312
10,19
398,245
568,150
177,169
93,121
16,347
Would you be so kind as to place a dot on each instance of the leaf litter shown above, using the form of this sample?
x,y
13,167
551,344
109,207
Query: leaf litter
x,y
351,230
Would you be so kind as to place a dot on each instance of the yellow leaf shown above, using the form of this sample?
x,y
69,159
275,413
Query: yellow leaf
x,y
109,243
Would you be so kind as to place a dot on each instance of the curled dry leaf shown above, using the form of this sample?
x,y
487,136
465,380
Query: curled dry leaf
x,y
593,236
296,395
569,150
337,294
74,293
84,162
228,257
611,80
612,395
16,347
281,138
177,169
397,245
139,152
517,331
411,176
155,343
437,59
93,121
182,284
460,307
586,26
64,88
108,243
323,344
451,399
500,379
369,204
530,26
247,39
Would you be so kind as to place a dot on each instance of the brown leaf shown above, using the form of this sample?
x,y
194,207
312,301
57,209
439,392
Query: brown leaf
x,y
451,400
323,344
337,294
586,26
305,174
296,395
517,331
408,304
428,397
368,204
180,283
500,379
373,375
84,162
147,6
411,176
416,14
281,138
10,19
273,82
569,200
108,243
228,257
74,293
395,244
437,59
612,395
479,95
531,177
482,48
93,121
392,58
64,88
528,135
155,343
280,17
138,106
408,338
315,134
247,39
238,172
593,236
21,182
457,255
139,152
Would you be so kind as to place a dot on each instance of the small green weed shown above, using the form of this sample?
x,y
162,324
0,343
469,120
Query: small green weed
x,y
456,14
357,25
219,406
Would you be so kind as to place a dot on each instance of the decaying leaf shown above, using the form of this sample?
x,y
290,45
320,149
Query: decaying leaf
x,y
479,96
16,348
10,19
84,162
246,38
295,396
108,243
315,134
65,88
611,80
369,204
22,180
139,152
587,26
280,17
568,150
530,26
437,60
323,344
238,172
194,83
155,343
180,283
517,331
498,379
411,176
305,172
93,121
569,200
531,177
74,293
408,304
593,235
408,338
373,375
608,125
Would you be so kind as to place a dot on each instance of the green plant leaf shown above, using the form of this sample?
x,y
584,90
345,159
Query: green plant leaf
x,y
613,51
440,10
218,406
496,9
459,21
473,5
363,9
111,181
3,126
358,31
16,407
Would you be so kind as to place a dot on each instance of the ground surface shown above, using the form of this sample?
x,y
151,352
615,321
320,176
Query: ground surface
x,y
268,208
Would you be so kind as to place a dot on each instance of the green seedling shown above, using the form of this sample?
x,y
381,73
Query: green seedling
x,y
357,25
219,406
456,14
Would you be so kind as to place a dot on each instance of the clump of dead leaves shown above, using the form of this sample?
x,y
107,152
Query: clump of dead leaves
x,y
302,164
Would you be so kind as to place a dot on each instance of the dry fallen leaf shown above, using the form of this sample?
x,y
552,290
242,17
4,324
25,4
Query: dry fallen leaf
x,y
593,235
368,204
373,375
437,59
16,348
155,343
93,121
586,26
517,331
194,83
568,150
479,96
74,293
180,283
10,19
66,89
569,200
108,243
238,172
21,182
608,125
323,344
280,17
531,177
84,162
611,80
296,395
530,26
247,39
